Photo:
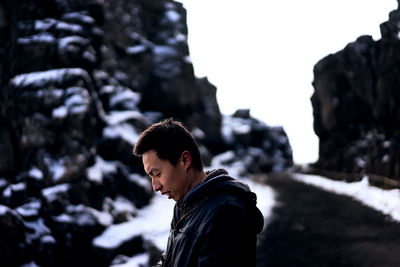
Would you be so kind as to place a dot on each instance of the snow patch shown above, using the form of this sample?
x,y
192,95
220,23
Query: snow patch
x,y
385,201
76,16
135,261
41,38
99,169
41,79
137,49
142,181
164,51
153,222
4,210
120,116
36,173
125,95
173,16
60,112
50,193
70,27
123,130
38,229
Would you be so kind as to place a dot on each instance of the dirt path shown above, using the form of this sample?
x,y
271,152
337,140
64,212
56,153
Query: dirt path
x,y
312,227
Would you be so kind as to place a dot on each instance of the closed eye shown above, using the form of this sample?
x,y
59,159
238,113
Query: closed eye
x,y
154,175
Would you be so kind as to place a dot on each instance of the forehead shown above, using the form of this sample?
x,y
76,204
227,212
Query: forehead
x,y
152,162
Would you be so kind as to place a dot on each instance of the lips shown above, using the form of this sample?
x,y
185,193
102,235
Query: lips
x,y
168,193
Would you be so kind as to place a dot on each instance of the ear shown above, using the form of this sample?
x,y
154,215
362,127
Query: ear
x,y
186,159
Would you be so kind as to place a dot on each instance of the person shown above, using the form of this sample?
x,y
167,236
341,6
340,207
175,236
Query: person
x,y
215,220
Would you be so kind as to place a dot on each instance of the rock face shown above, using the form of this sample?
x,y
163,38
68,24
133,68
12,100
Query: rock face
x,y
357,105
79,80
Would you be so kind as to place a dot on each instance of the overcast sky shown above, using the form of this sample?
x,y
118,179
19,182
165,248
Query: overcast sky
x,y
260,54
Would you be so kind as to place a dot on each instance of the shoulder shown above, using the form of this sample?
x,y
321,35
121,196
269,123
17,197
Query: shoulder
x,y
225,206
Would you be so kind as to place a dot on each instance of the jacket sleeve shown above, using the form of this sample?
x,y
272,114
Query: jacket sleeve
x,y
229,240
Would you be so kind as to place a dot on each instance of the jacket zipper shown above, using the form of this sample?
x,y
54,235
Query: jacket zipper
x,y
176,227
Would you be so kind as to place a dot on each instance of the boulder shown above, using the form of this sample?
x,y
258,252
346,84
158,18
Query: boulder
x,y
12,237
356,106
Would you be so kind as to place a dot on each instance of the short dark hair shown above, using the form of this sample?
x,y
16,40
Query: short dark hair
x,y
169,138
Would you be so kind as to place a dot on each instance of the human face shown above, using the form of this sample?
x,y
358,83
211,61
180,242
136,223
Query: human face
x,y
170,180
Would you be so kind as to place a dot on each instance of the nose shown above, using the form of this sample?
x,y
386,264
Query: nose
x,y
156,185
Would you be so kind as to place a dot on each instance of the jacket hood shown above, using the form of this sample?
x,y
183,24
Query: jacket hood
x,y
219,182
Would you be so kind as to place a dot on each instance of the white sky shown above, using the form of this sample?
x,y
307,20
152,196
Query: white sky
x,y
260,54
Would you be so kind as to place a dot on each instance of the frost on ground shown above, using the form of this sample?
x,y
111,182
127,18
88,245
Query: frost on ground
x,y
385,201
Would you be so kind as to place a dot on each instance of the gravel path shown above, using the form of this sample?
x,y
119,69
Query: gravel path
x,y
312,227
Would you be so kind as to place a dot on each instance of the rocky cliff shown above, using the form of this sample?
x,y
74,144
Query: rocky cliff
x,y
79,80
356,107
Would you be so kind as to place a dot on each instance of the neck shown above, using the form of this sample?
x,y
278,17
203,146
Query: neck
x,y
196,177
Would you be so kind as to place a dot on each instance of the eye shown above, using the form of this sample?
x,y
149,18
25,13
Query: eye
x,y
154,175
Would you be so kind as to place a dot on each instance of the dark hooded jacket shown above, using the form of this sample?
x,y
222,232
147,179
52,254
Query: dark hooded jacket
x,y
215,224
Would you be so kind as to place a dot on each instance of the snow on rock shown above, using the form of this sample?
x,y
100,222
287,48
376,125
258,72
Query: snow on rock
x,y
142,181
77,17
152,222
127,98
42,79
385,201
135,261
137,49
69,27
77,214
173,16
66,43
231,125
101,167
163,51
38,229
103,217
36,173
124,130
29,210
121,209
54,193
30,264
4,210
60,112
75,49
57,168
78,100
264,149
45,24
123,125
116,117
3,183
15,194
37,38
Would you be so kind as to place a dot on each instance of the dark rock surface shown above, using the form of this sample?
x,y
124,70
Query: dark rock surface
x,y
356,105
79,80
